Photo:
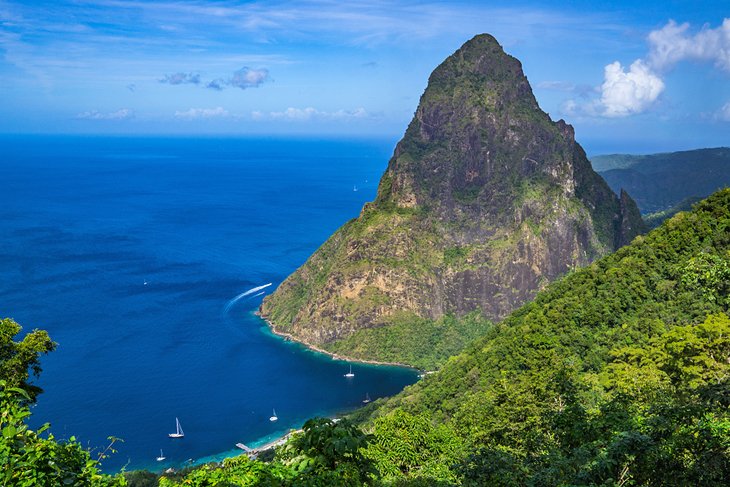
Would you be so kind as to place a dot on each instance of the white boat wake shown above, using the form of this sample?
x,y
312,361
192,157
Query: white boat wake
x,y
244,294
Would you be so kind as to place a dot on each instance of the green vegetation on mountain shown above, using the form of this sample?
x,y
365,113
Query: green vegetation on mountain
x,y
659,182
416,341
617,374
484,202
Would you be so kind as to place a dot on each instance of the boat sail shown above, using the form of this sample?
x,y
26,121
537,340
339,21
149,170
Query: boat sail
x,y
273,417
179,431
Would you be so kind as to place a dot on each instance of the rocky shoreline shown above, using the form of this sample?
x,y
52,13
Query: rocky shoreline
x,y
335,356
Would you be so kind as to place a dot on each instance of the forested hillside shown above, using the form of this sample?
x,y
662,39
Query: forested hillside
x,y
618,372
658,182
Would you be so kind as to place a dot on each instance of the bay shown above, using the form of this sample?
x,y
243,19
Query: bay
x,y
129,251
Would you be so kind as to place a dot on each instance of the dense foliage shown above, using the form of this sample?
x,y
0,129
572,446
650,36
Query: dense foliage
x,y
35,458
419,342
616,374
403,450
408,447
31,458
19,361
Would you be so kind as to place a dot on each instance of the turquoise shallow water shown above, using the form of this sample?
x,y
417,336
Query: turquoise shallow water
x,y
129,252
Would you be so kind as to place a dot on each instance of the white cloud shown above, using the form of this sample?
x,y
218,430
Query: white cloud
x,y
181,78
633,91
356,113
310,113
296,114
363,22
249,78
243,78
629,92
574,109
201,113
122,114
672,44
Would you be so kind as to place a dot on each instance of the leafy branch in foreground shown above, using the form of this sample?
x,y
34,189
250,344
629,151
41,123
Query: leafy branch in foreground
x,y
21,360
29,459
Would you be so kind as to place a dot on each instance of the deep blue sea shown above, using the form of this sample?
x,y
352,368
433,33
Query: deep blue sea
x,y
129,252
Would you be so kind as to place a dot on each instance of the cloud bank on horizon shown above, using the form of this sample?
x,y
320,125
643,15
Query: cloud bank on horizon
x,y
121,114
308,66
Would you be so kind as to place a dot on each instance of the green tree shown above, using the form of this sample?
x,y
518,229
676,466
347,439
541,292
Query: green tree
x,y
710,273
407,447
141,478
21,360
238,471
329,452
494,466
28,459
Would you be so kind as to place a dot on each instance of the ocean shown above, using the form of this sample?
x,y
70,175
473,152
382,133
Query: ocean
x,y
131,252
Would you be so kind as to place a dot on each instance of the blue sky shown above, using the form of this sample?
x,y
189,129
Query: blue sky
x,y
630,78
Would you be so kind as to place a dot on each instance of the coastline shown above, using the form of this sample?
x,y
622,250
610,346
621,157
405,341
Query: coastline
x,y
270,442
265,443
335,356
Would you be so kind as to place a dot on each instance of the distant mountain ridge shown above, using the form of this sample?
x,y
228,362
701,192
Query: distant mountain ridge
x,y
484,202
658,182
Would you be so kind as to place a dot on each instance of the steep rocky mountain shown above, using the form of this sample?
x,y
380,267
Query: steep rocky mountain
x,y
659,182
484,202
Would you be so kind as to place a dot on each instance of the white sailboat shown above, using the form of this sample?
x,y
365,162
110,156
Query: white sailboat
x,y
273,417
350,374
161,457
367,398
179,431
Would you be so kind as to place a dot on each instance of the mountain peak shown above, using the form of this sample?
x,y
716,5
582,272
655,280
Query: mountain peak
x,y
477,131
486,68
484,201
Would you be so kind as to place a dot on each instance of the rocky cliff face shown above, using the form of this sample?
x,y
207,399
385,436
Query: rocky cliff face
x,y
484,201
